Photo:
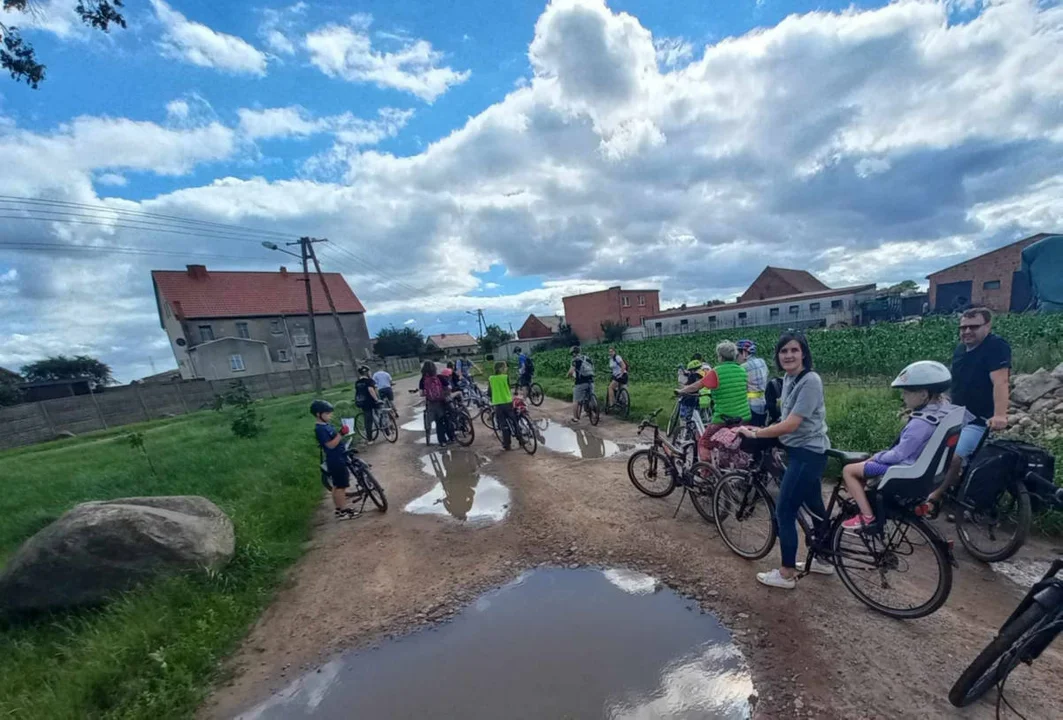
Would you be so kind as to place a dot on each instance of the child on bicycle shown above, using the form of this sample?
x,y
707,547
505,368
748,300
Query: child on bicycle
x,y
366,399
331,444
922,384
502,403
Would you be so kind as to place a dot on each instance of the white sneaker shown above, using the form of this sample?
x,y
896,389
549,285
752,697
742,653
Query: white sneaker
x,y
775,579
818,566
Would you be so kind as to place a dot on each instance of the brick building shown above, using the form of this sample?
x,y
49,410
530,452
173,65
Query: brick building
x,y
233,324
536,327
776,282
993,280
585,313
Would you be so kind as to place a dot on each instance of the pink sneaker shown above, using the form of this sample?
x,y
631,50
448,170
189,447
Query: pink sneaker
x,y
858,522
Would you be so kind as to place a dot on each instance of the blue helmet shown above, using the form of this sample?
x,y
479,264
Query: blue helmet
x,y
320,406
748,346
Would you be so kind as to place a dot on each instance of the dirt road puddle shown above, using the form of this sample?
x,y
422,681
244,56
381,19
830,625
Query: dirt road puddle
x,y
574,440
554,643
463,491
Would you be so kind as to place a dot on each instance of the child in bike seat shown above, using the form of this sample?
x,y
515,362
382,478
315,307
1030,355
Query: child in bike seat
x,y
922,384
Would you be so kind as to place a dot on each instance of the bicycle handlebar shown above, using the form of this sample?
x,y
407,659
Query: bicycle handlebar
x,y
647,422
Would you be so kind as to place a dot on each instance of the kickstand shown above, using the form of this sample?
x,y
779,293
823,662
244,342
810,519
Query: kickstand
x,y
681,498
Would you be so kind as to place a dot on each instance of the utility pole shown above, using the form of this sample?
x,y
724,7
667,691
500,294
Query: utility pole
x,y
305,251
332,307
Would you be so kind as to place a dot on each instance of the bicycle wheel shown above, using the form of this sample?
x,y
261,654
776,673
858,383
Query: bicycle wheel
x,y
427,428
744,515
623,402
359,427
703,477
996,533
526,435
648,471
487,417
535,394
593,412
998,658
388,428
373,489
464,430
903,573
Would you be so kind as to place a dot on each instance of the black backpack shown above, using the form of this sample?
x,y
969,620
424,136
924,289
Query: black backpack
x,y
1001,460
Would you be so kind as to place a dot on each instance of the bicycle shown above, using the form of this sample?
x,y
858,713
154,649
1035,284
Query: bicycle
x,y
1027,632
590,405
367,486
993,518
459,419
523,429
742,500
383,422
535,392
698,479
621,402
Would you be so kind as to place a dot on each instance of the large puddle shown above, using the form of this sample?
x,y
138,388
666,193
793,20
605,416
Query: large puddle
x,y
552,644
463,491
574,440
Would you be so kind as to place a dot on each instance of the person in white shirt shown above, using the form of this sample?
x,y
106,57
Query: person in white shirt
x,y
383,385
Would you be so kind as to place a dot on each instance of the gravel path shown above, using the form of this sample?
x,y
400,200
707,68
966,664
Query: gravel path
x,y
380,576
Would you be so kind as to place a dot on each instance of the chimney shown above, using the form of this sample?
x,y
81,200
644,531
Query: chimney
x,y
197,272
284,272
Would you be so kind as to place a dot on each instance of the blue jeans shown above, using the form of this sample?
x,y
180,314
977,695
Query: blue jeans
x,y
801,485
970,436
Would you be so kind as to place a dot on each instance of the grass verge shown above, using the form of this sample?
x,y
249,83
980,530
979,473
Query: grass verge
x,y
154,652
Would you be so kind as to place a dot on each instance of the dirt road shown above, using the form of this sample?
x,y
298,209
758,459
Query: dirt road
x,y
813,652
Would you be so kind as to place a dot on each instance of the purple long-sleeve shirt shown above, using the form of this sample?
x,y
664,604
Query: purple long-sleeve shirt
x,y
914,437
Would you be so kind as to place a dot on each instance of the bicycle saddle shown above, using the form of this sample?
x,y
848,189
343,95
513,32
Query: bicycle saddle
x,y
846,457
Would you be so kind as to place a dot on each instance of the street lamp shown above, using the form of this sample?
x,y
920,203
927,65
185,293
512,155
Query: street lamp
x,y
273,246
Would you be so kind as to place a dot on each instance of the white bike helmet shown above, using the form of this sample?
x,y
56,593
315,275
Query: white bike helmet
x,y
928,375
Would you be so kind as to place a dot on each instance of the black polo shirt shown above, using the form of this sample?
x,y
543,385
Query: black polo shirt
x,y
971,384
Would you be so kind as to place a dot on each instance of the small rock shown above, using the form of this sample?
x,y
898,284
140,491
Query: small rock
x,y
798,704
573,566
713,593
743,615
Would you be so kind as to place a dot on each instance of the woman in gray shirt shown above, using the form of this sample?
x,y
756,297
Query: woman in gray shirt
x,y
803,432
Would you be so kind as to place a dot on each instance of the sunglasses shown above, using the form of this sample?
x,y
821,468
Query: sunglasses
x,y
970,328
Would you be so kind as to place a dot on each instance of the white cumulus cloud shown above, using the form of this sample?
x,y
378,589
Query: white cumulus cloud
x,y
200,45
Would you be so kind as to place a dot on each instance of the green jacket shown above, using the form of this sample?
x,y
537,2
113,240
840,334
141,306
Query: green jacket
x,y
730,397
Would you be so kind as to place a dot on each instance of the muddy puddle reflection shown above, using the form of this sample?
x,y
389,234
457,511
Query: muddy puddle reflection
x,y
554,643
463,491
574,440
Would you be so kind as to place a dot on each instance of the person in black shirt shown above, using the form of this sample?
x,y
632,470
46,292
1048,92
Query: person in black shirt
x,y
366,399
981,364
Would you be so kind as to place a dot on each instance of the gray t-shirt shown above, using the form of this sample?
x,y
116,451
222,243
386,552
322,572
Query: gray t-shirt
x,y
805,398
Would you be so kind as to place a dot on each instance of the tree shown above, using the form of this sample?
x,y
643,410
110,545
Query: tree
x,y
565,337
904,286
17,56
64,368
9,392
395,342
492,338
613,331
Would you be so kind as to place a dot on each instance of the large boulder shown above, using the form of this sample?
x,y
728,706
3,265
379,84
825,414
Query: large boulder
x,y
99,548
1034,386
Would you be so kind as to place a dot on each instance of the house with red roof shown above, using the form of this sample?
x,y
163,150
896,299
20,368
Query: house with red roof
x,y
233,324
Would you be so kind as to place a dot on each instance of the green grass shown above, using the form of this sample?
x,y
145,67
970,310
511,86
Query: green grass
x,y
154,652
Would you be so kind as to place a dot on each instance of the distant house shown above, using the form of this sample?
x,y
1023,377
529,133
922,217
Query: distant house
x,y
232,324
779,296
454,344
994,280
52,389
586,313
165,376
540,326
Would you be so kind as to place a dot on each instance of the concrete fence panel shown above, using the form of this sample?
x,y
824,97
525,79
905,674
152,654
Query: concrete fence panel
x,y
120,406
24,425
161,400
73,414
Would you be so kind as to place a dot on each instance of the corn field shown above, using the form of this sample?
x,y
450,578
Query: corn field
x,y
881,350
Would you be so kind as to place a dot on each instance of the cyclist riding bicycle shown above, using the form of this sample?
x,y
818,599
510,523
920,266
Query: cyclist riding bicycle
x,y
618,371
366,399
383,381
582,373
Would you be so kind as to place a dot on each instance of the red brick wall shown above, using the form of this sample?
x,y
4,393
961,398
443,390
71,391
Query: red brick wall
x,y
533,328
767,285
586,313
997,265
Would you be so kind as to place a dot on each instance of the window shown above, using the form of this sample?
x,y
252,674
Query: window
x,y
991,285
242,331
657,326
773,313
794,309
712,319
282,356
167,306
741,316
206,333
625,301
236,363
684,322
835,304
301,339
642,301
275,327
813,308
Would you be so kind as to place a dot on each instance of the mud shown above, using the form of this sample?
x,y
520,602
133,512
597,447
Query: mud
x,y
813,652
603,642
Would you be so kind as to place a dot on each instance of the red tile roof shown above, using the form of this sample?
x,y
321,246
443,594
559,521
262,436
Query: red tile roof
x,y
212,294
802,281
449,341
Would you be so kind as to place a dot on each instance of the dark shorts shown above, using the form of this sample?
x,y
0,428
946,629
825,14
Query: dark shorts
x,y
622,380
386,393
339,476
524,381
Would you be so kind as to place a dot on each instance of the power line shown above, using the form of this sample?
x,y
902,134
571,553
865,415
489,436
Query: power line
x,y
128,225
108,249
144,213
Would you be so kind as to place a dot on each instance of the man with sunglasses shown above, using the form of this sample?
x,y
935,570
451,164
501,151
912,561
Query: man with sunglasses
x,y
980,367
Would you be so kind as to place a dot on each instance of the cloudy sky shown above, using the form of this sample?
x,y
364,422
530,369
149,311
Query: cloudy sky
x,y
500,155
